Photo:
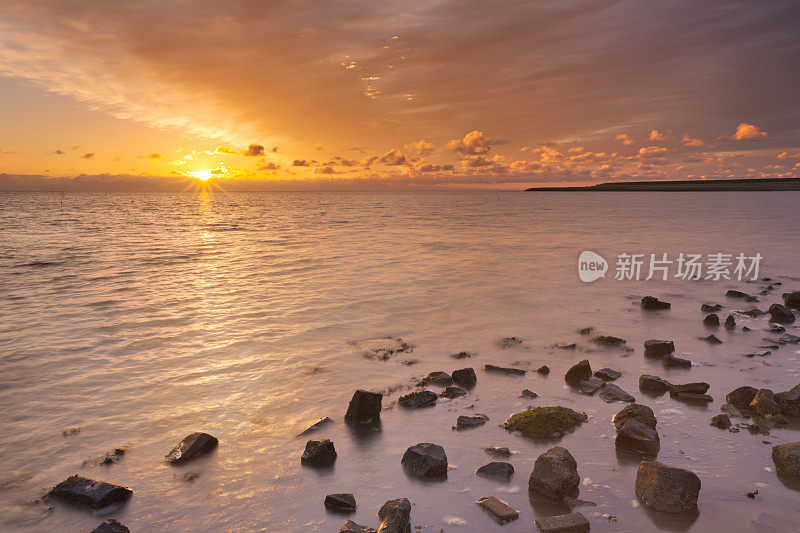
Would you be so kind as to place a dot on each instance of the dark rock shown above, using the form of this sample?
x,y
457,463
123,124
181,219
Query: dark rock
x,y
711,320
343,502
464,422
579,372
781,314
497,451
667,489
789,401
544,422
565,523
792,299
352,527
741,397
439,378
788,338
496,470
730,322
612,393
787,459
606,374
543,370
111,526
658,348
498,510
90,493
462,355
555,474
670,361
641,413
752,313
395,516
453,392
711,308
508,342
425,460
504,370
418,399
585,331
653,384
316,426
691,397
722,421
694,388
191,447
609,340
465,377
737,294
592,385
635,436
712,339
570,346
764,403
775,328
319,452
527,393
651,303
113,456
364,407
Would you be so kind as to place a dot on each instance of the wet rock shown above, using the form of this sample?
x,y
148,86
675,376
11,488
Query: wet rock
x,y
555,474
462,355
658,348
732,411
319,452
316,426
635,436
464,422
670,361
364,407
752,313
711,320
694,388
498,510
498,451
578,372
527,393
641,413
90,493
667,489
741,397
342,502
352,527
453,392
609,340
737,294
789,401
712,339
787,459
586,331
722,421
395,516
544,422
425,460
508,342
792,299
565,523
465,377
775,328
788,338
504,370
730,322
191,447
652,303
592,385
496,470
418,399
439,378
781,314
113,456
543,370
607,374
71,432
653,384
111,526
711,308
570,346
612,393
764,403
691,397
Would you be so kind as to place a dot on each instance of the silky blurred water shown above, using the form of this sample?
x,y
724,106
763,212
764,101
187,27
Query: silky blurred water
x,y
140,318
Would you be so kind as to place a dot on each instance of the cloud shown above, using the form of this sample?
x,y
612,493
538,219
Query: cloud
x,y
625,139
301,163
652,151
655,135
226,150
253,150
87,156
393,158
688,140
59,152
269,166
428,167
473,143
748,132
154,156
421,147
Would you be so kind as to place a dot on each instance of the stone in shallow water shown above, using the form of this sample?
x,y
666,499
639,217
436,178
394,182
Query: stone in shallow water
x,y
111,526
741,397
635,411
787,459
498,510
658,348
730,322
592,385
496,470
792,299
692,397
543,370
788,338
439,378
712,339
504,370
667,489
710,308
565,523
364,407
543,422
722,421
352,527
653,384
764,403
527,393
191,447
695,388
316,426
711,320
652,303
555,474
612,393
508,342
464,422
90,492
498,451
319,452
343,502
418,399
737,294
453,392
395,516
609,340
425,460
670,361
579,372
465,377
781,314
637,437
789,401
607,374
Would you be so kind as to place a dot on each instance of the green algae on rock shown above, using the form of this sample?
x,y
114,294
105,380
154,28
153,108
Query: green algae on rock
x,y
543,422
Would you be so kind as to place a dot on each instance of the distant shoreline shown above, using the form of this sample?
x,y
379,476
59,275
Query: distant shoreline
x,y
766,184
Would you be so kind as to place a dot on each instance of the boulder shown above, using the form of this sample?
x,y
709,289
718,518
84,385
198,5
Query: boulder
x,y
555,474
504,370
90,493
592,385
352,527
730,322
722,421
498,451
789,401
692,397
711,308
658,348
395,516
607,374
712,339
653,384
609,340
319,452
425,460
781,314
342,502
565,523
741,397
670,361
453,392
191,447
737,294
543,370
775,328
465,377
545,422
316,426
499,510
529,394
442,379
792,299
694,388
652,303
787,459
364,407
711,320
764,403
635,436
464,422
788,338
578,372
111,526
418,399
612,393
496,470
641,413
667,489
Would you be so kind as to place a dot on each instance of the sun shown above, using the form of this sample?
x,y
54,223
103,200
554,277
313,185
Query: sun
x,y
202,175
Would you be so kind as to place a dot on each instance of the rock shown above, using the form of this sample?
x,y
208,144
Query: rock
x,y
606,374
635,436
425,460
508,342
670,361
578,372
712,339
496,470
555,474
570,346
730,322
737,294
439,378
792,299
316,426
453,392
711,320
543,370
586,331
352,527
498,510
90,492
711,308
653,384
752,313
343,502
694,388
788,338
464,422
787,459
741,397
565,523
641,413
667,489
789,401
462,355
658,348
498,451
775,328
383,349
781,314
319,452
191,447
364,407
111,526
504,370
652,303
418,399
609,340
612,393
592,385
764,403
527,393
691,397
722,421
544,422
395,516
465,377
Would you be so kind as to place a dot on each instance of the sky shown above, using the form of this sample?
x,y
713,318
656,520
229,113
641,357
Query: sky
x,y
343,95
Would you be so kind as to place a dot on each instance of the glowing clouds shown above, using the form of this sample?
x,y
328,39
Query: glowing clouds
x,y
747,132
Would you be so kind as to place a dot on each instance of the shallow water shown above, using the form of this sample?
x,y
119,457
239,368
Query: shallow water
x,y
140,318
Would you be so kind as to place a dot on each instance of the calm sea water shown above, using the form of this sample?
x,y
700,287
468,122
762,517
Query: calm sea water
x,y
140,318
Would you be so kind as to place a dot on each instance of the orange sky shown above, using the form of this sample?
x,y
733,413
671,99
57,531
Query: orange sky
x,y
355,95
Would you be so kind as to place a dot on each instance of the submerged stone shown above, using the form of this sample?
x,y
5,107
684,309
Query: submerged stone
x,y
543,422
352,527
395,516
453,392
787,459
425,460
607,374
722,421
191,447
638,412
653,384
497,509
658,348
652,303
578,372
609,340
464,422
498,451
111,526
555,474
316,426
342,502
465,377
504,370
364,407
319,452
90,492
418,399
635,436
565,523
440,378
667,489
496,470
612,393
781,314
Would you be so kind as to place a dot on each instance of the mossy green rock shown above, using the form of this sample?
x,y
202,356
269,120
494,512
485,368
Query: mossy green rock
x,y
545,422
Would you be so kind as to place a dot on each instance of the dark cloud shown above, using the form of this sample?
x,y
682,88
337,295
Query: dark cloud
x,y
87,156
301,163
254,150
